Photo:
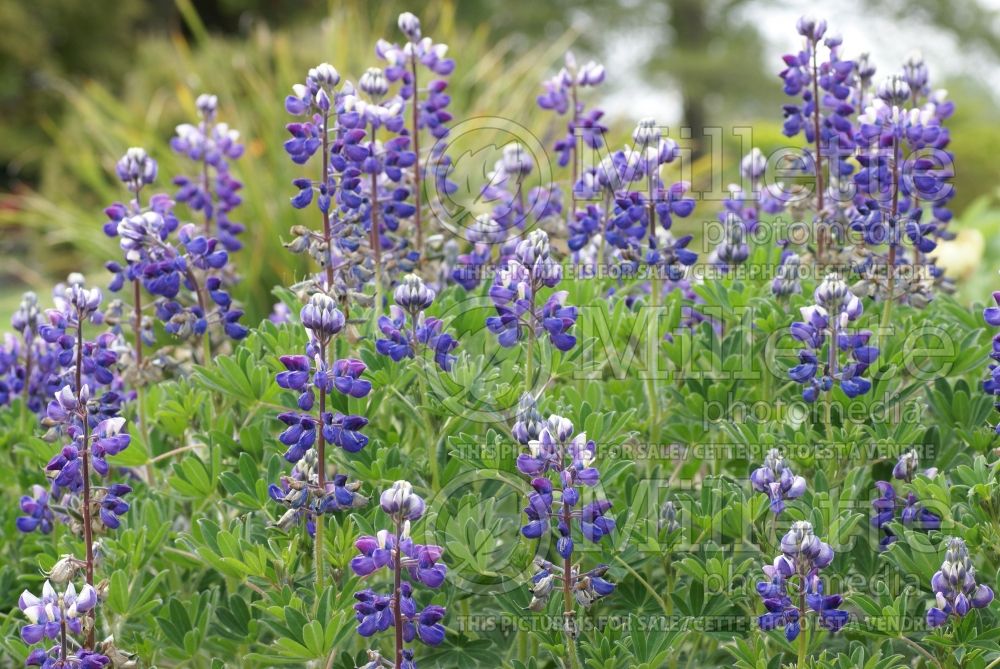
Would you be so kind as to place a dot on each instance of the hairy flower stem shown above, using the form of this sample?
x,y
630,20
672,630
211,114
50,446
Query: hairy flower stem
x,y
820,231
653,398
88,529
205,186
530,346
803,631
63,647
569,614
376,242
327,235
206,342
417,187
397,594
139,386
576,157
26,391
891,265
321,481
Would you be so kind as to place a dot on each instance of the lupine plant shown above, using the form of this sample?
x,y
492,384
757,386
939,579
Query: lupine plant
x,y
197,487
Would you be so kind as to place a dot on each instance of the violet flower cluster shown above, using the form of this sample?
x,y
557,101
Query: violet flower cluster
x,y
30,366
306,492
956,591
776,479
186,273
561,467
52,619
741,212
890,507
515,295
411,565
408,330
793,586
824,332
214,191
561,95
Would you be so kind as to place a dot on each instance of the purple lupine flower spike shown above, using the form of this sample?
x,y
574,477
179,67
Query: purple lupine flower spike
x,y
410,564
408,330
795,576
824,333
53,617
907,509
515,295
955,588
214,192
561,467
991,385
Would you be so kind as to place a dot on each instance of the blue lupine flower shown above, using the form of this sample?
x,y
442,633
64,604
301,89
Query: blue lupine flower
x,y
47,613
409,563
888,505
553,451
991,385
776,479
823,330
561,93
793,575
195,263
411,298
515,291
300,493
38,515
215,192
955,588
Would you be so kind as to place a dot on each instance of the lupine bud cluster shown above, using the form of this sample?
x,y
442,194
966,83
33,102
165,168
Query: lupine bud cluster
x,y
908,510
955,589
776,479
410,564
794,578
408,330
824,331
214,192
515,292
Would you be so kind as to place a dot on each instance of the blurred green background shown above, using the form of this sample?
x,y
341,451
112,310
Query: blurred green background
x,y
82,80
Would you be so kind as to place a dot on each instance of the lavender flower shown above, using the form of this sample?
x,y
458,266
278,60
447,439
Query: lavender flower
x,y
824,325
955,588
824,115
47,613
794,577
776,479
410,563
561,96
